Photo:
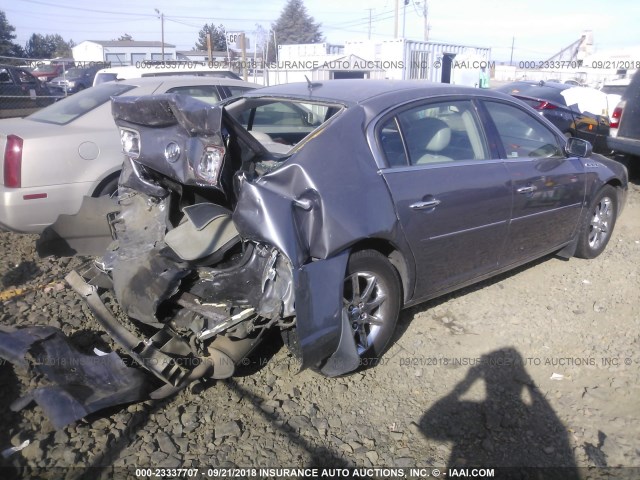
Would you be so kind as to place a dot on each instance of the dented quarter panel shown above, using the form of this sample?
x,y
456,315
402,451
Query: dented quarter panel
x,y
308,210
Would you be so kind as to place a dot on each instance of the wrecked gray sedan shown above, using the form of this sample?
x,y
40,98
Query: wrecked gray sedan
x,y
321,210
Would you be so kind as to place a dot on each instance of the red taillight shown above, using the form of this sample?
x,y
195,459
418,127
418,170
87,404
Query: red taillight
x,y
544,105
13,162
616,115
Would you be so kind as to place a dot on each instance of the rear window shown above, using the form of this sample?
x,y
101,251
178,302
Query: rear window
x,y
73,107
45,69
545,93
614,89
280,124
105,77
205,93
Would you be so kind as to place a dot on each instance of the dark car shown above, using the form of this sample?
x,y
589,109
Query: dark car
x,y
74,80
320,210
21,93
626,144
550,99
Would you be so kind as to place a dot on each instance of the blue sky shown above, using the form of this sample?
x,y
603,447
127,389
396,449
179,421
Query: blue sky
x,y
540,28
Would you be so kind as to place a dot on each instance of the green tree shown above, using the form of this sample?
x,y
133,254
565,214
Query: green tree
x,y
48,46
8,48
62,47
218,39
294,25
126,37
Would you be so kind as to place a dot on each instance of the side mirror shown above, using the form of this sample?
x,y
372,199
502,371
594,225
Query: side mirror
x,y
577,147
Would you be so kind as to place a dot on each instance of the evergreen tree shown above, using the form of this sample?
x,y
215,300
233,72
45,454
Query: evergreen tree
x,y
48,46
218,39
293,26
8,48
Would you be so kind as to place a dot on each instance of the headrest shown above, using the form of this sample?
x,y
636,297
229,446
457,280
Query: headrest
x,y
433,133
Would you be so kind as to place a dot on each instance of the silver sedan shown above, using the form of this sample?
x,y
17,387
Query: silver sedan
x,y
71,149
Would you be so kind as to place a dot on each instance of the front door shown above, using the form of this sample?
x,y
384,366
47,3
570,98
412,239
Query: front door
x,y
453,201
548,187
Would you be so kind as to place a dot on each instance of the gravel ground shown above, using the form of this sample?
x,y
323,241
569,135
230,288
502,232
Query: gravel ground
x,y
538,367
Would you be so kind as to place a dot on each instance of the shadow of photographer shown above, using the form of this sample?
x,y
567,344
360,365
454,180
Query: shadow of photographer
x,y
513,426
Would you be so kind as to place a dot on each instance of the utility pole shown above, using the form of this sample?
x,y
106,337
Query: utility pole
x,y
161,31
243,47
395,20
513,39
404,17
370,9
426,23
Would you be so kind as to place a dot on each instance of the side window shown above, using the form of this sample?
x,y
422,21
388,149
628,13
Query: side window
x,y
521,134
5,77
206,93
442,132
391,143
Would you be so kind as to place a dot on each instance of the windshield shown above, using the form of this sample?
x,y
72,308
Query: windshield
x,y
73,107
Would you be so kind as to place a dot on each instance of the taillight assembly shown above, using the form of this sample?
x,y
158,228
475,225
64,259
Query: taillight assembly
x,y
13,162
544,105
617,115
209,166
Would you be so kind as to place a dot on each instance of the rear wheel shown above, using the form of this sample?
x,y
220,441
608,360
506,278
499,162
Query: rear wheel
x,y
371,301
107,188
598,224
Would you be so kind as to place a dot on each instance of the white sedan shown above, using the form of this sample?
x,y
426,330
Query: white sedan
x,y
71,149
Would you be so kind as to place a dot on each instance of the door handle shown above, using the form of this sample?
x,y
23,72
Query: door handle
x,y
423,205
529,189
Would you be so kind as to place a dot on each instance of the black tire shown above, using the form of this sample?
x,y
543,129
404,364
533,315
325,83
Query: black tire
x,y
597,224
372,299
107,188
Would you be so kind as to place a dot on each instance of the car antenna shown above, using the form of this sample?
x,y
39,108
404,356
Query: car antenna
x,y
310,84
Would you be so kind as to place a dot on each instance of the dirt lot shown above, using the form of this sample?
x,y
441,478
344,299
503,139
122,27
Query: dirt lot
x,y
539,367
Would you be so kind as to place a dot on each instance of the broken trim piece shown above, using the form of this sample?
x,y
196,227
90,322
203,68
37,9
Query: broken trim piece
x,y
142,351
75,384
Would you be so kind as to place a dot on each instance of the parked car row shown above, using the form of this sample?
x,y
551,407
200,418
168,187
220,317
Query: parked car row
x,y
21,93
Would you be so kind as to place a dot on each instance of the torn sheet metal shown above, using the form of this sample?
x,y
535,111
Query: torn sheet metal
x,y
319,310
188,125
83,384
307,209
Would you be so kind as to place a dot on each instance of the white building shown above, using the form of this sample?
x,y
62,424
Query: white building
x,y
399,59
122,52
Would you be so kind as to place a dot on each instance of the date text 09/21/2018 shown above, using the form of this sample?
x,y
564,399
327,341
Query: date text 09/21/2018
x,y
574,64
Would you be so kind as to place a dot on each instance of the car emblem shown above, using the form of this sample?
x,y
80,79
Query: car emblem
x,y
172,152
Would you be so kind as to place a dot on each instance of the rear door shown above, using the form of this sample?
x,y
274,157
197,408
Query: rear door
x,y
548,188
452,199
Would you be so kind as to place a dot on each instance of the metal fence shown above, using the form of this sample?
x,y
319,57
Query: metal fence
x,y
27,84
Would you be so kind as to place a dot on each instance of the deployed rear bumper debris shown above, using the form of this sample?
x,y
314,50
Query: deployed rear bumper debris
x,y
83,384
